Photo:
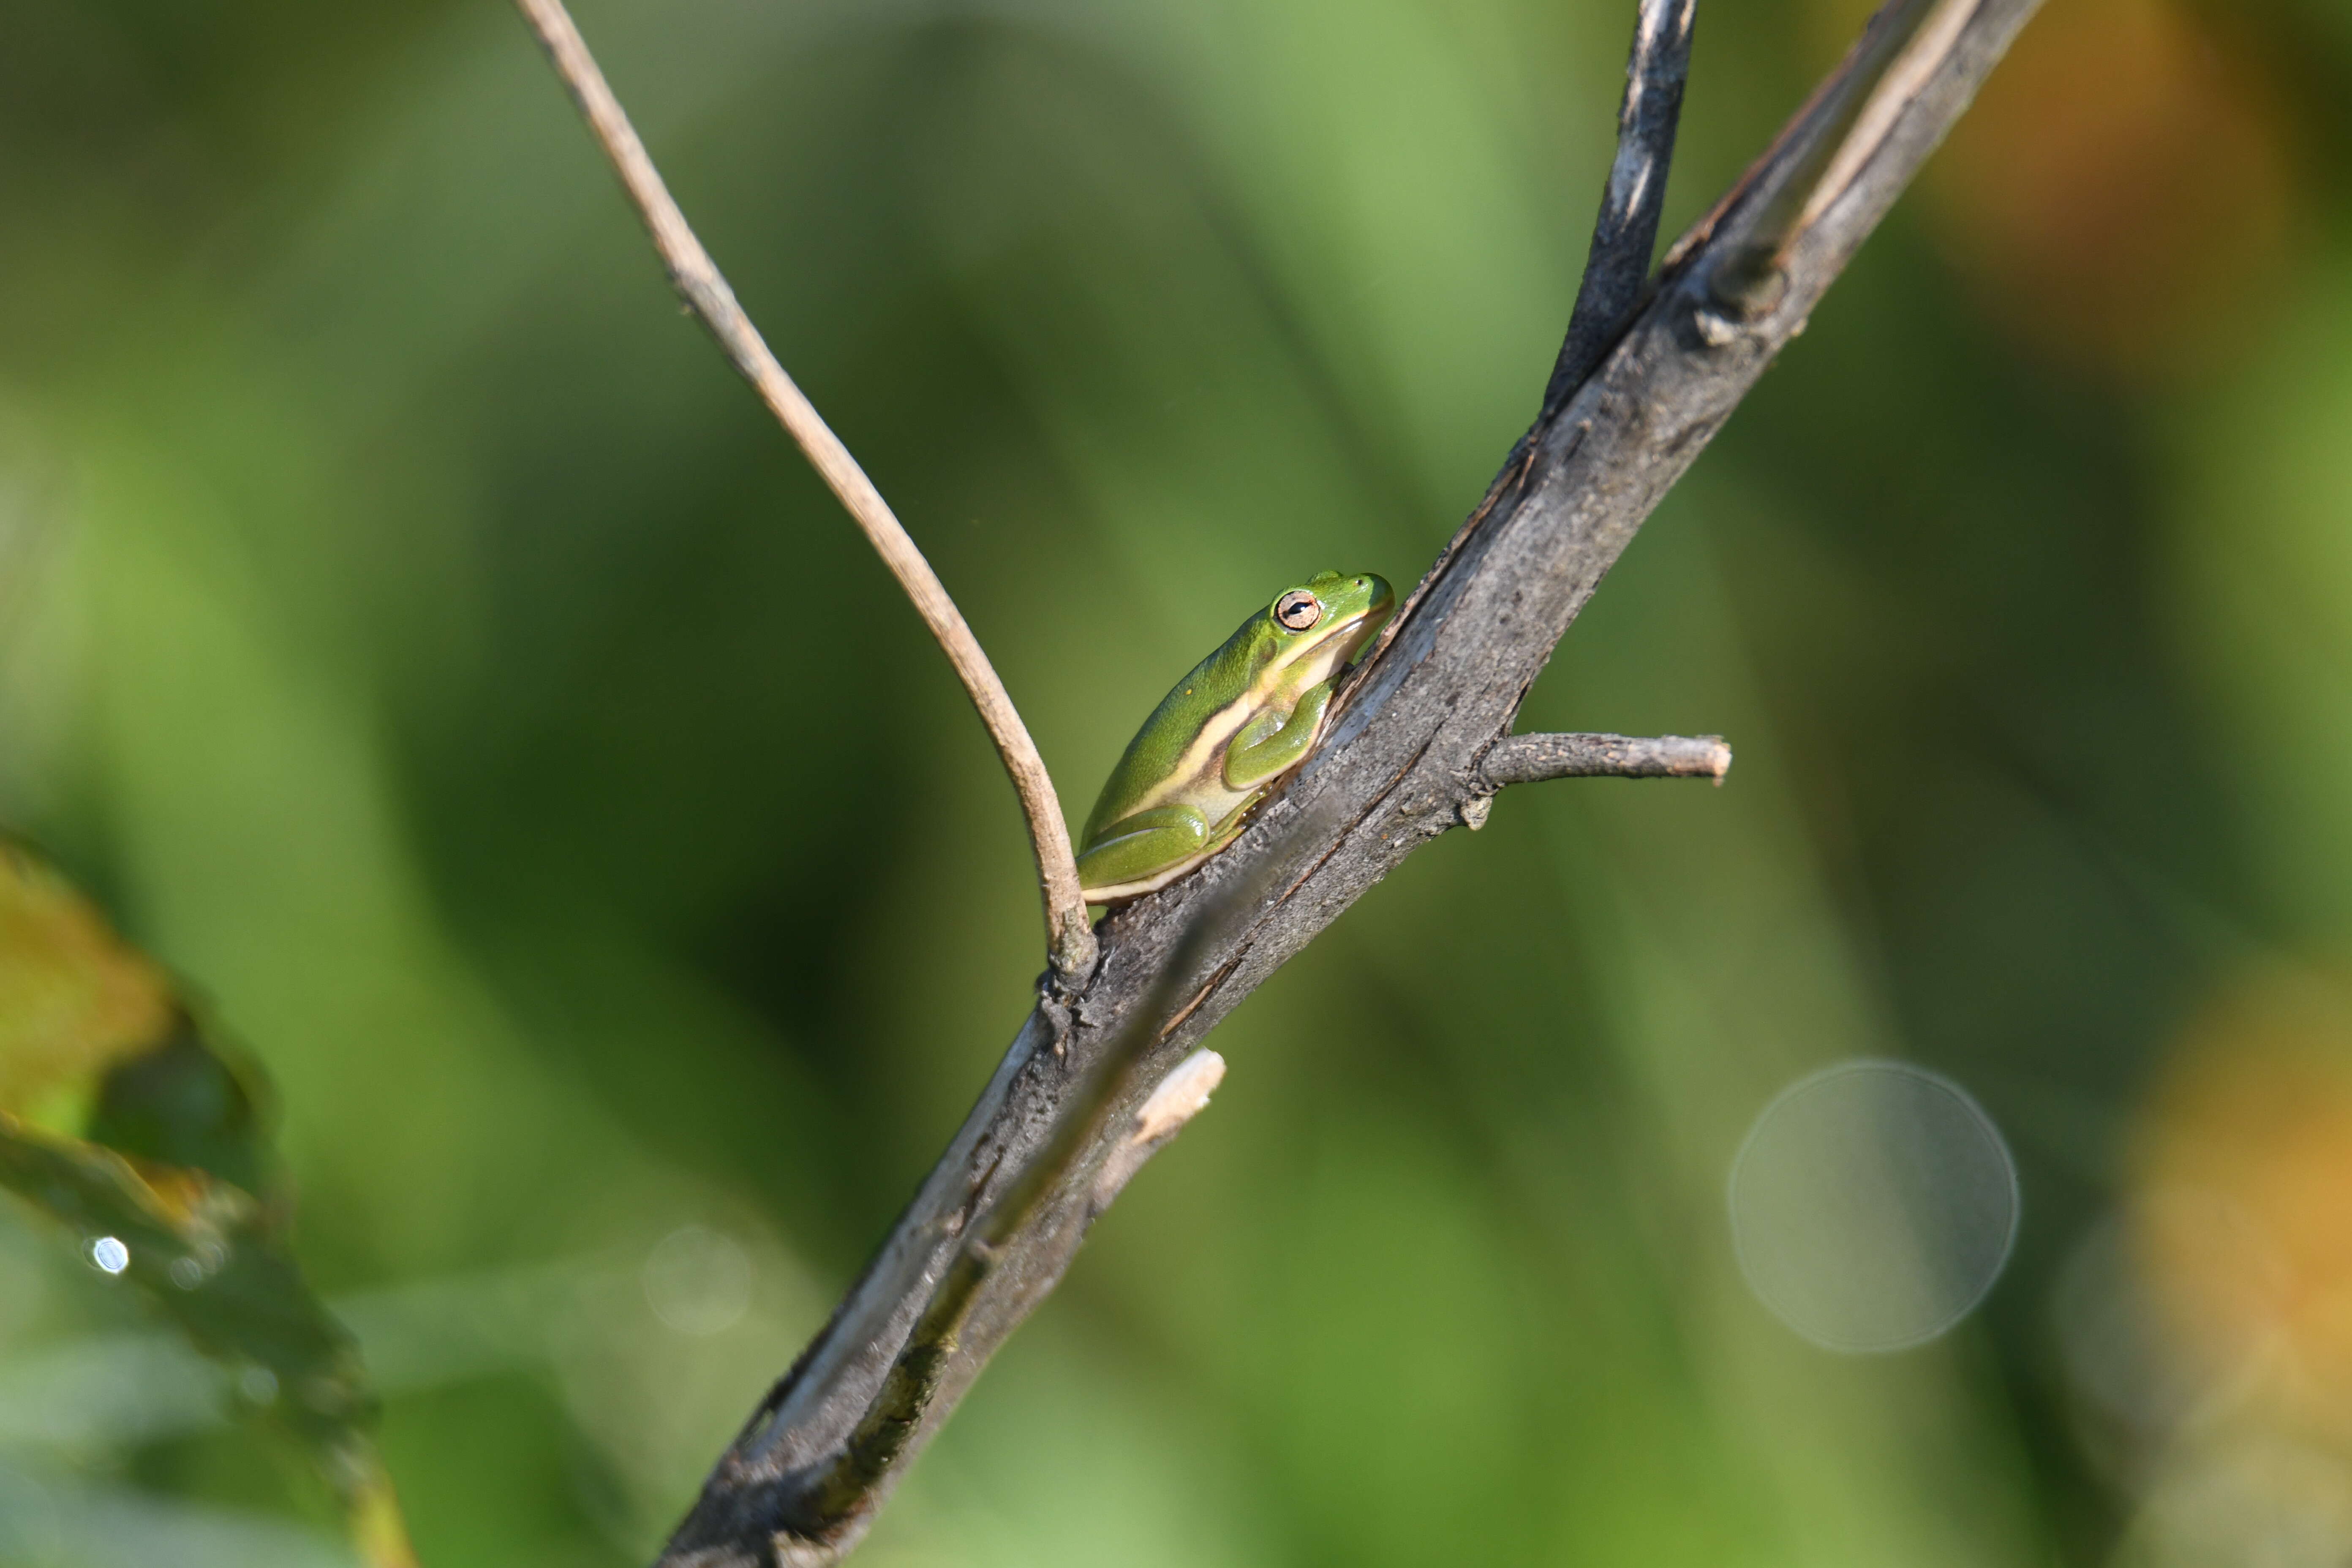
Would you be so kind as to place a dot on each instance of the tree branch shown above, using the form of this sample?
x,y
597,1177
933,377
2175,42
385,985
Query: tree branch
x,y
1089,1125
1070,940
1402,759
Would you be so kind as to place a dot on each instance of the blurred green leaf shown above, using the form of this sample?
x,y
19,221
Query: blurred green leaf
x,y
122,1123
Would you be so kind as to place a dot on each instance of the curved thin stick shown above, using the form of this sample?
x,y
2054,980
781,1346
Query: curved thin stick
x,y
700,283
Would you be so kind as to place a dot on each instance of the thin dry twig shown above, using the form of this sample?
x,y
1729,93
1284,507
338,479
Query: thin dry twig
x,y
1533,759
696,279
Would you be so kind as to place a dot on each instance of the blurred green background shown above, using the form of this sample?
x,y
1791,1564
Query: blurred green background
x,y
418,639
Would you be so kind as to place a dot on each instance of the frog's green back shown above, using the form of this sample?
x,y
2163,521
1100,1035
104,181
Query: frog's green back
x,y
1177,757
1159,744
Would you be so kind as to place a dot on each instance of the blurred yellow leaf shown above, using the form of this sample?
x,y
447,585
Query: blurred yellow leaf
x,y
167,1180
2122,192
74,1000
2242,1183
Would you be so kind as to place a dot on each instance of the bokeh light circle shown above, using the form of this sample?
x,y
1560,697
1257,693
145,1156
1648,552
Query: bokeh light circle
x,y
1873,1205
697,1281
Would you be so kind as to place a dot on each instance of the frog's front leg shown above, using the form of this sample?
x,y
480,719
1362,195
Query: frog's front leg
x,y
1135,847
1267,745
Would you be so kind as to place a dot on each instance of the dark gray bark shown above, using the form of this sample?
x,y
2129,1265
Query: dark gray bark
x,y
1418,747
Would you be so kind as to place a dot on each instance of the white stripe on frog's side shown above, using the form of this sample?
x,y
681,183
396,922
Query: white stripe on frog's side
x,y
1120,891
1197,778
1206,760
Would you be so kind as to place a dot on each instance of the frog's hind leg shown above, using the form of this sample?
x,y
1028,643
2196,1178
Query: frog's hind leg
x,y
1136,853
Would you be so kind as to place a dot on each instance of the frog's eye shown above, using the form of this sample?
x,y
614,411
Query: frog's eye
x,y
1298,610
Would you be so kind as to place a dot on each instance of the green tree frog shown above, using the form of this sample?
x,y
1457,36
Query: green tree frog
x,y
1232,730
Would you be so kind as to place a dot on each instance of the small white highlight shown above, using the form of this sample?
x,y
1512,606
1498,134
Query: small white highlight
x,y
698,1281
109,1254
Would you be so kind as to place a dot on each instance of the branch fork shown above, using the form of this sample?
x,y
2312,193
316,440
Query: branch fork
x,y
1070,942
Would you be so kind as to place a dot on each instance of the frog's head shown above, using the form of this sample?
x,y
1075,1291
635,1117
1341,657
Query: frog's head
x,y
1315,628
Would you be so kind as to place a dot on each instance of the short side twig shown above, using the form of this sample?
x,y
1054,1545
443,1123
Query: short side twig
x,y
1180,1097
1618,267
700,284
1531,759
842,1495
